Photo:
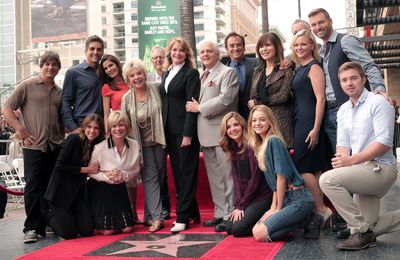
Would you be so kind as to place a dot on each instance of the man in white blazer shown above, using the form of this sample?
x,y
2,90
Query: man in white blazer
x,y
218,96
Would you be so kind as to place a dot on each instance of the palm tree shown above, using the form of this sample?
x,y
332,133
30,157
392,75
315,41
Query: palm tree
x,y
187,23
264,14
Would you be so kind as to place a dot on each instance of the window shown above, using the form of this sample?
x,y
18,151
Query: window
x,y
198,15
103,20
199,27
197,2
134,29
199,38
134,4
133,17
103,8
135,40
104,33
75,62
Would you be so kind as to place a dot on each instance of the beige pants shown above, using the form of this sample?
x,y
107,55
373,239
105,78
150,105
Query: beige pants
x,y
220,179
369,182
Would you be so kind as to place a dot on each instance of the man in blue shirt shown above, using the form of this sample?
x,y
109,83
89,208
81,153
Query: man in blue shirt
x,y
81,93
235,47
364,164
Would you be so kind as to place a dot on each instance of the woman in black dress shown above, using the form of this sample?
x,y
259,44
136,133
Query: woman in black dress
x,y
308,111
69,213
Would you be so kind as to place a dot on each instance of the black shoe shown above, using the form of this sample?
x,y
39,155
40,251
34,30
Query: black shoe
x,y
313,226
212,222
165,214
343,234
338,223
221,227
358,241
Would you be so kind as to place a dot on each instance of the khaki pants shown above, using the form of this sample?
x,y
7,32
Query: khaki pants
x,y
369,183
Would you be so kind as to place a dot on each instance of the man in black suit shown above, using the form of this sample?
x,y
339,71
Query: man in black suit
x,y
235,47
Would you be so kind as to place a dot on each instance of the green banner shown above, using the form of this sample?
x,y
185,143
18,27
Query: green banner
x,y
158,21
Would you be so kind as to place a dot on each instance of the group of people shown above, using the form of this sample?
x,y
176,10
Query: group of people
x,y
246,116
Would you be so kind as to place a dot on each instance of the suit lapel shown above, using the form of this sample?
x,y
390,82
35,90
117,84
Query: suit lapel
x,y
178,76
209,79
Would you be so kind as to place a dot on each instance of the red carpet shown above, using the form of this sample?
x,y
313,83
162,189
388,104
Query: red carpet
x,y
199,240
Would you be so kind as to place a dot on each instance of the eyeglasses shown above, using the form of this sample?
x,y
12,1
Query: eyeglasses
x,y
157,58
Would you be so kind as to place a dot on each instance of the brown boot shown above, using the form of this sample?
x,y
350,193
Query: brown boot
x,y
358,241
132,192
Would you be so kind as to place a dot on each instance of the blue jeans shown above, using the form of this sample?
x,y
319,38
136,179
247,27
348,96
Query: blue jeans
x,y
330,125
298,204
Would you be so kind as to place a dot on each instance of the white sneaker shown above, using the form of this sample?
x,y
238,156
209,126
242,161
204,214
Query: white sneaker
x,y
49,231
178,227
30,236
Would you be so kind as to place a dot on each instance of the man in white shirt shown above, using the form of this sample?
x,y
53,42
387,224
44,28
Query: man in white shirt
x,y
364,164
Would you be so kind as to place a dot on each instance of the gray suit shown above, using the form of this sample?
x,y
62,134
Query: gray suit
x,y
218,96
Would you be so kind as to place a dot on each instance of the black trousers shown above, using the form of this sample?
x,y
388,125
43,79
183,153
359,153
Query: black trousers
x,y
185,167
3,199
38,169
252,214
68,223
164,189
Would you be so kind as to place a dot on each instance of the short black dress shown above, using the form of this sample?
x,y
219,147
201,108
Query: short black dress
x,y
305,160
110,213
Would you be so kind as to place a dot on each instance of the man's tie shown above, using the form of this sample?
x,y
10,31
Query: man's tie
x,y
205,76
240,76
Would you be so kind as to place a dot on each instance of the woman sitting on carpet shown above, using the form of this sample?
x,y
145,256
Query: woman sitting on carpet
x,y
252,194
69,213
119,159
291,201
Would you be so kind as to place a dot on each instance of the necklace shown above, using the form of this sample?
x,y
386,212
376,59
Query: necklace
x,y
142,122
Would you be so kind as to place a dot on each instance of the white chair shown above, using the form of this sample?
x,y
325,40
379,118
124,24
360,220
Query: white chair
x,y
13,183
18,165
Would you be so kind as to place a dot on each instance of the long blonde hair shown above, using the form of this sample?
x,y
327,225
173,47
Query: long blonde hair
x,y
226,142
258,144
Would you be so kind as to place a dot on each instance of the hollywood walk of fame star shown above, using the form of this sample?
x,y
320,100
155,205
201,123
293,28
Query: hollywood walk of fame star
x,y
168,245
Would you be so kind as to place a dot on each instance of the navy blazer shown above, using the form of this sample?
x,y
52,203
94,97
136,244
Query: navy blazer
x,y
184,86
249,64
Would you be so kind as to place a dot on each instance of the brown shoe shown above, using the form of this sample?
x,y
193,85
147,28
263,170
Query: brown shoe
x,y
148,223
358,241
157,225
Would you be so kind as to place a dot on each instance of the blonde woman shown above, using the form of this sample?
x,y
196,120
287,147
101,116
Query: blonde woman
x,y
119,160
291,201
308,112
181,83
142,104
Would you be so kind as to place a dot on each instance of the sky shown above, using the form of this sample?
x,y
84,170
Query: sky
x,y
282,13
